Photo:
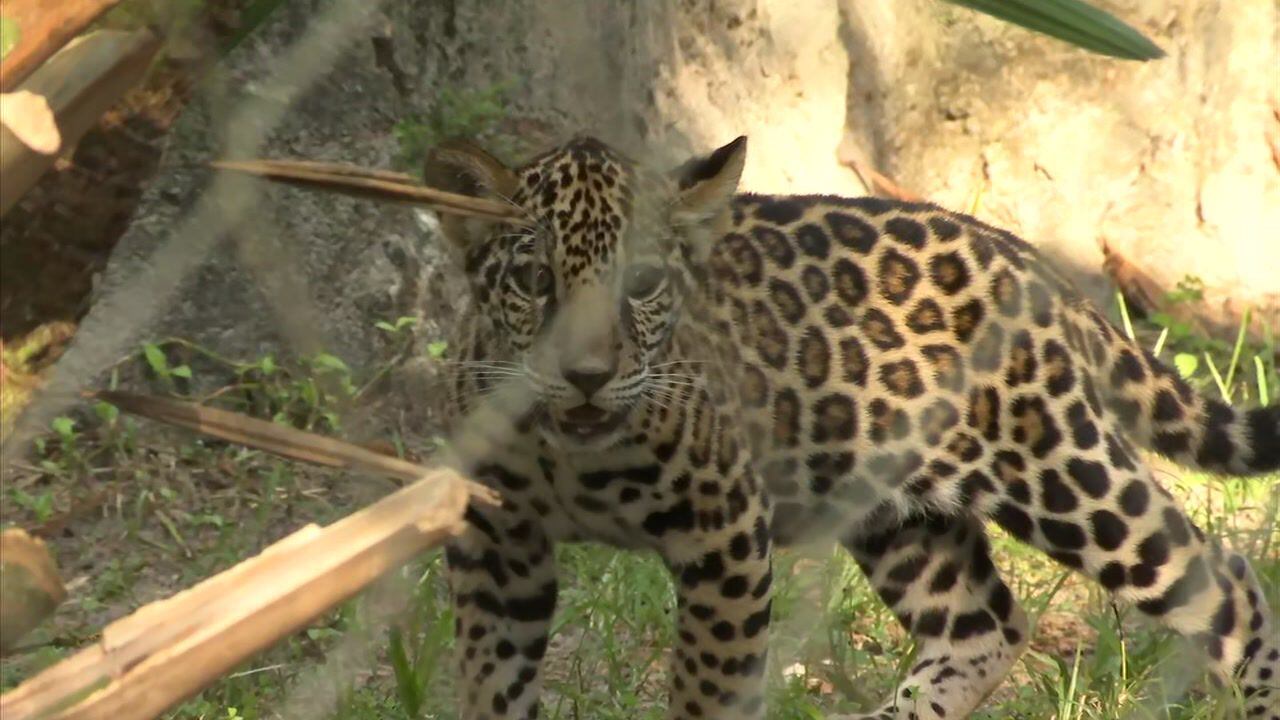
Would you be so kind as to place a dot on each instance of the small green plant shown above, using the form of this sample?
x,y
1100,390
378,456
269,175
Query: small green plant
x,y
65,428
416,645
400,334
117,578
456,113
307,392
399,328
159,364
40,504
313,395
64,456
1206,361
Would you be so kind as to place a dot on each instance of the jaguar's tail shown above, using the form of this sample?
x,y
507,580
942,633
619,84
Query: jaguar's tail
x,y
1163,413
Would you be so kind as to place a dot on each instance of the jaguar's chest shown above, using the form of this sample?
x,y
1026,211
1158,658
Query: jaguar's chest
x,y
623,497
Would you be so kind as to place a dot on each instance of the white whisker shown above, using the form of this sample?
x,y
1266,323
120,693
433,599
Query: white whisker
x,y
676,381
654,400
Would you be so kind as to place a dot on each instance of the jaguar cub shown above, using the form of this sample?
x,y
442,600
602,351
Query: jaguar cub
x,y
654,361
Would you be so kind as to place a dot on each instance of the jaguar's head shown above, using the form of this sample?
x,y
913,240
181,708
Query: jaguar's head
x,y
582,296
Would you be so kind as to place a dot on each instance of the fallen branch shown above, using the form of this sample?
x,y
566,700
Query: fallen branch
x,y
169,650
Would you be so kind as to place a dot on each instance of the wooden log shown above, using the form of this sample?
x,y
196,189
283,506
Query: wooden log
x,y
80,83
29,586
43,28
169,650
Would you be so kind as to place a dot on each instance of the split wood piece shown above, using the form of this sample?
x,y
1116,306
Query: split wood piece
x,y
169,650
276,439
29,117
80,83
29,586
43,28
373,185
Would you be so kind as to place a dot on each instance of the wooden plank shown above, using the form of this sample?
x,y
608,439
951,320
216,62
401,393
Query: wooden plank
x,y
80,83
170,650
43,27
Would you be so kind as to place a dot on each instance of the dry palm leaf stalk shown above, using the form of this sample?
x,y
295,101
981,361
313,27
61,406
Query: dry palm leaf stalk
x,y
277,439
381,185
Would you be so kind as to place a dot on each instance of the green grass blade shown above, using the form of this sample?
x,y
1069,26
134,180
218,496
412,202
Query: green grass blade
x,y
1235,352
1073,21
1124,315
1164,335
406,681
1217,379
1263,396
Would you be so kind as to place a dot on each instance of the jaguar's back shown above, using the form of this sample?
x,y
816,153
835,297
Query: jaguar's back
x,y
889,341
708,374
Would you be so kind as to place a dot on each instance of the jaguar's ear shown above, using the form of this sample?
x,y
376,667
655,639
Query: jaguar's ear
x,y
706,184
460,166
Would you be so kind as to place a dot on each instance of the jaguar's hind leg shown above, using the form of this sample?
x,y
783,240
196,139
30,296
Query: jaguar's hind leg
x,y
937,576
1259,672
1103,514
1204,593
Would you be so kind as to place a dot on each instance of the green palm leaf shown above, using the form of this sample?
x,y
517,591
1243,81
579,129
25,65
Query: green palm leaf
x,y
1073,21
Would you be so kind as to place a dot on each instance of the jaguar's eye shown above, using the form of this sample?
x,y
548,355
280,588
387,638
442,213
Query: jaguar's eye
x,y
535,280
643,280
543,281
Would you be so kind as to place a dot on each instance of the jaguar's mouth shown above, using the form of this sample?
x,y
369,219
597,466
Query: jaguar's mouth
x,y
588,422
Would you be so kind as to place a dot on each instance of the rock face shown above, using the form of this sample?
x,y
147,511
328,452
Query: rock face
x,y
1168,160
1173,164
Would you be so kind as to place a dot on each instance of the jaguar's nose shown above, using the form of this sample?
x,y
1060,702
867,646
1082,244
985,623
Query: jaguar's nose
x,y
588,381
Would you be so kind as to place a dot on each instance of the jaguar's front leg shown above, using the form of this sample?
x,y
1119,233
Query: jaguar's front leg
x,y
502,580
723,603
